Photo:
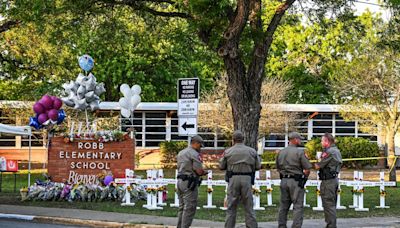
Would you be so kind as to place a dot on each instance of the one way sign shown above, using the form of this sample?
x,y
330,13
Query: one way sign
x,y
187,126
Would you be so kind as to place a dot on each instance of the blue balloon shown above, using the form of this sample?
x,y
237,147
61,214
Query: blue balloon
x,y
33,122
61,116
86,62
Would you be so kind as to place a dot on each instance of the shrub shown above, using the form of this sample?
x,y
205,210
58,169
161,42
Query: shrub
x,y
269,156
169,152
349,147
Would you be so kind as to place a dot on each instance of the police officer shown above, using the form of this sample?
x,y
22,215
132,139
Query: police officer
x,y
329,168
240,163
294,168
190,168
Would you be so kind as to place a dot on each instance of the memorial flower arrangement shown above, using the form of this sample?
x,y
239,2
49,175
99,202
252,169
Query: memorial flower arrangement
x,y
100,136
256,191
269,190
162,188
339,191
357,191
210,190
151,190
24,193
382,193
318,192
54,191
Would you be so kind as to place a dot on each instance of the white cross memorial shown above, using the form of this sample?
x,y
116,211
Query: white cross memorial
x,y
319,199
209,191
269,188
176,197
382,191
159,191
129,174
257,193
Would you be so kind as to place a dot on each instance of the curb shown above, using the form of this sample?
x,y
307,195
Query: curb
x,y
78,222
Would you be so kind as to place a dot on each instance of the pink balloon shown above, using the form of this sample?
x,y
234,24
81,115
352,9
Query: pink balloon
x,y
42,118
46,102
38,108
57,103
53,114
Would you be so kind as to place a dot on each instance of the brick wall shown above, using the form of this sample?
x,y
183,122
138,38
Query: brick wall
x,y
83,159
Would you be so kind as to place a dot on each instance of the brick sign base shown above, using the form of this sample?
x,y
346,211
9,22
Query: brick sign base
x,y
82,160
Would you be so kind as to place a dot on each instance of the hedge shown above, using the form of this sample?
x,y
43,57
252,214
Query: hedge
x,y
169,152
349,147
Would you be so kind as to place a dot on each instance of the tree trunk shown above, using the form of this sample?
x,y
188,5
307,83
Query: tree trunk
x,y
390,138
244,96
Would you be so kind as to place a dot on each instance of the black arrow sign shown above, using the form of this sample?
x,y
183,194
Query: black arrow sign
x,y
185,125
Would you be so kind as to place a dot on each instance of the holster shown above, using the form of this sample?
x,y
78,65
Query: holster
x,y
228,175
253,178
327,174
301,180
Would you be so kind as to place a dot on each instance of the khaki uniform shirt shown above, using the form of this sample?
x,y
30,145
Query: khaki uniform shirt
x,y
240,158
188,161
331,159
291,160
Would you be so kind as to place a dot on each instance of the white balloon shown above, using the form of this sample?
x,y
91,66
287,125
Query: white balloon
x,y
80,104
81,92
123,87
124,103
80,78
136,90
99,89
125,112
68,102
90,84
94,105
90,96
135,100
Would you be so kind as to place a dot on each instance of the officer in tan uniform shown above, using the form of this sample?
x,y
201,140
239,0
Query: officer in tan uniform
x,y
190,168
294,168
329,168
240,163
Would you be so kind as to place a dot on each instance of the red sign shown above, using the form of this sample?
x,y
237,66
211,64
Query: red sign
x,y
12,165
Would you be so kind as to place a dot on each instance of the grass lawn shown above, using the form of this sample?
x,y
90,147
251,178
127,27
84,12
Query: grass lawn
x,y
371,200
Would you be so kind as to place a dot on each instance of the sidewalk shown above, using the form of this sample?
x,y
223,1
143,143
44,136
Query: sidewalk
x,y
112,219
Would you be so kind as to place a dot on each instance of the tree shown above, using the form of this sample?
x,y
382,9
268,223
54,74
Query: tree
x,y
241,32
216,112
370,86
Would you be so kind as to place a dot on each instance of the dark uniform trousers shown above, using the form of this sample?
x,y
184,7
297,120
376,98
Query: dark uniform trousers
x,y
329,199
187,204
240,189
291,193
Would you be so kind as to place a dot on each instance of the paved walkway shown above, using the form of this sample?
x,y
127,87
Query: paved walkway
x,y
171,221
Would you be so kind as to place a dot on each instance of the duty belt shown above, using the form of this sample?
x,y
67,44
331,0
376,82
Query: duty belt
x,y
327,175
242,174
286,176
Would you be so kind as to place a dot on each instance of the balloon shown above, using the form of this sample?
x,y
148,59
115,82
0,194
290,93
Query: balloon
x,y
135,100
99,89
81,91
94,105
38,108
53,114
81,78
108,180
124,103
33,122
125,90
42,118
61,116
90,84
86,62
47,122
68,102
57,103
80,104
125,112
46,102
136,89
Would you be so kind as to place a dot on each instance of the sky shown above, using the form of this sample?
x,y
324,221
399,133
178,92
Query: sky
x,y
371,5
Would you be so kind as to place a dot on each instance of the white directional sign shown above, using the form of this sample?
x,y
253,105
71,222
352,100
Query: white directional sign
x,y
188,96
187,126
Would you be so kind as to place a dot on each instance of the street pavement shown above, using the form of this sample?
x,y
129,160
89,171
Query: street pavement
x,y
87,216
